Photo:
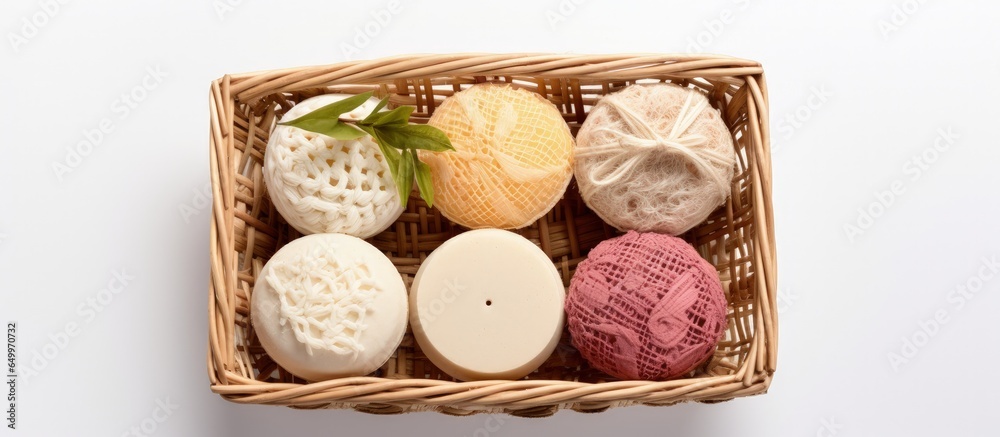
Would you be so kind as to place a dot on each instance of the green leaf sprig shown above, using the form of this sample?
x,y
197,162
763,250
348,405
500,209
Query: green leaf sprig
x,y
396,138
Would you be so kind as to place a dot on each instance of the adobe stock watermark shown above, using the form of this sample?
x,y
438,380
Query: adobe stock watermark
x,y
956,299
795,119
714,28
829,427
150,424
224,7
86,312
898,17
12,374
437,306
786,299
491,426
93,137
201,200
32,24
913,169
562,11
370,29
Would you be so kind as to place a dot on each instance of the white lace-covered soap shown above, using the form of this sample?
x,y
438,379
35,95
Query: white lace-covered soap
x,y
487,304
328,306
323,185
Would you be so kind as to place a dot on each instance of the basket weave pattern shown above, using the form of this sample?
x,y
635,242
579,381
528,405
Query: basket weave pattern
x,y
738,238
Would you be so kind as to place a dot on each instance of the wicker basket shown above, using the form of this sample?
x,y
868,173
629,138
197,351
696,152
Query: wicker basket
x,y
246,230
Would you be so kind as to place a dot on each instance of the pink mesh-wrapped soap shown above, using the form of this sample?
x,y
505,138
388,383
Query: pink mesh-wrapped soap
x,y
645,306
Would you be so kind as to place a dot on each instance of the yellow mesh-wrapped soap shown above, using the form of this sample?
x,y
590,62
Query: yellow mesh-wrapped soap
x,y
512,159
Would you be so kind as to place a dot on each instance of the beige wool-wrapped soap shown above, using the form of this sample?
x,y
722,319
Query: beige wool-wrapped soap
x,y
512,160
654,158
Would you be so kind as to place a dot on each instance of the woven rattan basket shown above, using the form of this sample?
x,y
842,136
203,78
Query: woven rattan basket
x,y
246,230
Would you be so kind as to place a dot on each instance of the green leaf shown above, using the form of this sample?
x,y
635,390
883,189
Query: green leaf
x,y
333,110
368,129
332,128
415,136
423,173
404,182
392,157
390,154
396,138
397,117
375,115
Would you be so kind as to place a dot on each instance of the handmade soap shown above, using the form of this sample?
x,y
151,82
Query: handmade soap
x,y
487,304
645,306
512,159
329,305
654,158
320,184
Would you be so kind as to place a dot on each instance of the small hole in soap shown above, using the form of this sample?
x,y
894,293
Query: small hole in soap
x,y
489,302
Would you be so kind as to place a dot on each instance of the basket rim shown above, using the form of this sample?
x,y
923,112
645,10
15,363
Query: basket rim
x,y
754,375
630,56
246,86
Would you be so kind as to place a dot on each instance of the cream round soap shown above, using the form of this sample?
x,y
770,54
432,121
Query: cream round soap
x,y
328,306
487,304
512,159
324,185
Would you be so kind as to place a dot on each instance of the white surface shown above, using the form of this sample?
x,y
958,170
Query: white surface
x,y
136,203
486,305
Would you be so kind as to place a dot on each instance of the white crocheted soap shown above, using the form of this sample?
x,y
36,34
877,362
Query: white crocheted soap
x,y
320,184
329,306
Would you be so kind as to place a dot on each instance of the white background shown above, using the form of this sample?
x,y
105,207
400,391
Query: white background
x,y
853,104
